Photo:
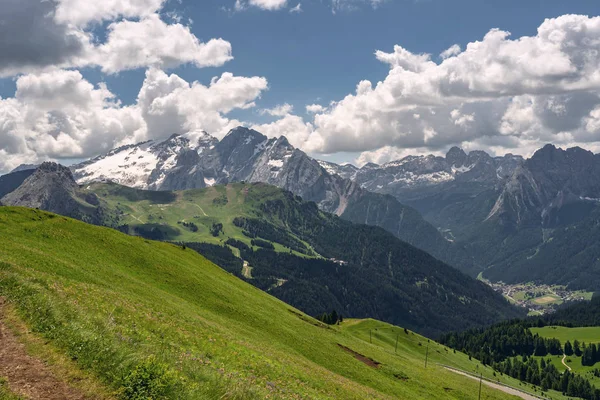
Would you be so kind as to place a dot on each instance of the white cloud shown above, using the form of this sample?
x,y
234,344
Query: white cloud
x,y
45,35
169,104
297,9
58,114
278,111
152,42
82,12
499,93
269,5
451,51
294,128
314,108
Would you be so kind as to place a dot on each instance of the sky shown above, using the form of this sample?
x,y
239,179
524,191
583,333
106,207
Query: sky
x,y
345,80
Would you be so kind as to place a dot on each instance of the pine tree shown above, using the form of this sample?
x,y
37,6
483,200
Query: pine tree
x,y
568,348
576,348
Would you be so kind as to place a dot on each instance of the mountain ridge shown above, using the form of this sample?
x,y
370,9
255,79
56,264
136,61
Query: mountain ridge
x,y
363,271
245,155
506,211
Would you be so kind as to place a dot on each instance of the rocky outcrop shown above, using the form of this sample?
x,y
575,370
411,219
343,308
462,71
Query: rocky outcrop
x,y
51,187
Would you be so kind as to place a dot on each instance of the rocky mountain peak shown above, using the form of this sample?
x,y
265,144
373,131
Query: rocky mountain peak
x,y
243,134
370,165
456,157
55,171
50,187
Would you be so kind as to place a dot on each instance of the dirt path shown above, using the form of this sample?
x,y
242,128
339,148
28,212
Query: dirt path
x,y
564,363
206,215
505,389
28,376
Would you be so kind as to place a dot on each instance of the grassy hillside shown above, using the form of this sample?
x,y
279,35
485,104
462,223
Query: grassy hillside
x,y
189,216
361,271
415,348
583,334
151,319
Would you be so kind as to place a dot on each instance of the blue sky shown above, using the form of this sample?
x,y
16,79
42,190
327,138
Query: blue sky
x,y
318,56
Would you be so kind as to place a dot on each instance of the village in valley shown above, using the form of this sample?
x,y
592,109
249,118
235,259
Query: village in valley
x,y
538,299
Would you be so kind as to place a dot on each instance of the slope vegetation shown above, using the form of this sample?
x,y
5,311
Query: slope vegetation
x,y
321,262
154,320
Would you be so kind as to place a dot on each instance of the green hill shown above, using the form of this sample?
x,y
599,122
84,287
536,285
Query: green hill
x,y
321,262
154,320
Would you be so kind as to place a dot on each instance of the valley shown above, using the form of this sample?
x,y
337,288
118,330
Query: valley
x,y
538,299
299,200
308,258
322,264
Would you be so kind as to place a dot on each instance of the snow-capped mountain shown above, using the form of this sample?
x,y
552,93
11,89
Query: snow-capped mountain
x,y
420,172
182,162
521,220
150,165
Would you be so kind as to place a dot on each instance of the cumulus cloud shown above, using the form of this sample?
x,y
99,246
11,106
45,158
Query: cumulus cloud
x,y
152,42
36,35
315,108
169,104
30,38
499,93
58,114
278,111
83,12
293,127
451,51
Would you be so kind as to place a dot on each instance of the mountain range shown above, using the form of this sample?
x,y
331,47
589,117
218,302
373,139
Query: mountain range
x,y
245,155
520,219
284,245
507,218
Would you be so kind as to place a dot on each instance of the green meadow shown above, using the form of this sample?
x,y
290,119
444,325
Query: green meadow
x,y
151,320
582,334
201,207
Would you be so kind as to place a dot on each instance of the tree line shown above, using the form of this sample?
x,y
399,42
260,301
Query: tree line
x,y
547,376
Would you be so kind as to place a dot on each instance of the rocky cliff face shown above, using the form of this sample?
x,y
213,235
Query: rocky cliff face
x,y
243,154
519,219
51,187
544,186
405,178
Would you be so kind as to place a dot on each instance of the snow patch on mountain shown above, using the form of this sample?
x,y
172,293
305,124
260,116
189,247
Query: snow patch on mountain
x,y
130,166
275,163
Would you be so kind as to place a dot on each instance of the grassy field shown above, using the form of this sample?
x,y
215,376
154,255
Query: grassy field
x,y
547,299
413,347
202,207
583,334
153,320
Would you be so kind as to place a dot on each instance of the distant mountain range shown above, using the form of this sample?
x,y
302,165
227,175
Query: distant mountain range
x,y
312,260
509,218
534,219
245,155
